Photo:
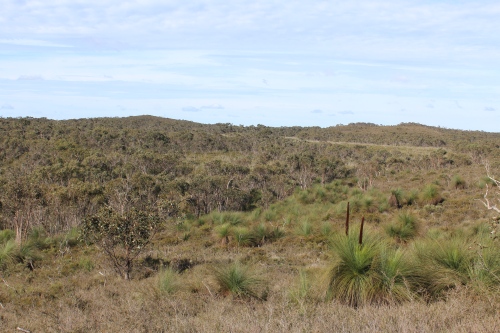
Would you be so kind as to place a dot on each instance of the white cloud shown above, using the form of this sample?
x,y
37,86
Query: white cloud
x,y
170,54
317,111
390,30
489,108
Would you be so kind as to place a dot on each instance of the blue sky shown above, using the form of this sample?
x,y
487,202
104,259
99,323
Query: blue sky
x,y
277,63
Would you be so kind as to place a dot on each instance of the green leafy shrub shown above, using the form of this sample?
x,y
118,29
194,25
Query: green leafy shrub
x,y
122,236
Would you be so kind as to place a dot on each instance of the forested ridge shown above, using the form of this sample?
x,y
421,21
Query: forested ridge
x,y
54,173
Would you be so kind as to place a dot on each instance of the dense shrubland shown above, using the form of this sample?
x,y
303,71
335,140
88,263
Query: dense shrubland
x,y
222,227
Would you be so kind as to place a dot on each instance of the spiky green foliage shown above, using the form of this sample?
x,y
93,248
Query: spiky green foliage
x,y
484,270
28,254
6,235
352,279
168,281
243,236
431,195
445,263
302,290
399,277
38,239
458,182
223,232
305,228
7,253
396,199
239,281
404,229
369,273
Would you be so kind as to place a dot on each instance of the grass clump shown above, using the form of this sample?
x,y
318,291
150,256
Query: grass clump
x,y
445,263
431,195
484,270
7,253
223,233
369,272
168,281
240,281
304,229
404,229
458,182
6,235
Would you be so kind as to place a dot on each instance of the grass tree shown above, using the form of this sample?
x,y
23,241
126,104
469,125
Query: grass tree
x,y
370,272
445,264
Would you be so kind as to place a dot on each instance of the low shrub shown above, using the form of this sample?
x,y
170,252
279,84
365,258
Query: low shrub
x,y
240,281
369,272
404,229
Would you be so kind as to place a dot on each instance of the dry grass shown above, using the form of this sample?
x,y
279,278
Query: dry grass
x,y
73,289
118,306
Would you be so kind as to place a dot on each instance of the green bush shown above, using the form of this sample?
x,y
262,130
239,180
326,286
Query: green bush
x,y
484,271
431,195
458,182
445,264
404,229
168,281
369,273
301,292
305,229
7,253
6,235
239,281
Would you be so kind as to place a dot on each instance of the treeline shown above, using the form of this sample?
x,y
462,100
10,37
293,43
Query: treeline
x,y
54,173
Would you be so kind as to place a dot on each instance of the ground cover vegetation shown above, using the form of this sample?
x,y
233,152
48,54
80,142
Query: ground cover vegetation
x,y
145,224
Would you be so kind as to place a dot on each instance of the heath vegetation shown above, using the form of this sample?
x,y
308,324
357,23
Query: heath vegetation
x,y
145,224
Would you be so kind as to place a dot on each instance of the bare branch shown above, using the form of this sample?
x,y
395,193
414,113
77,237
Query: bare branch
x,y
486,202
497,183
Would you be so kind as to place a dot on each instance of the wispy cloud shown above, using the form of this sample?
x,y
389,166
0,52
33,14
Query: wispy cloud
x,y
32,42
317,111
7,107
190,109
156,54
30,78
213,107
